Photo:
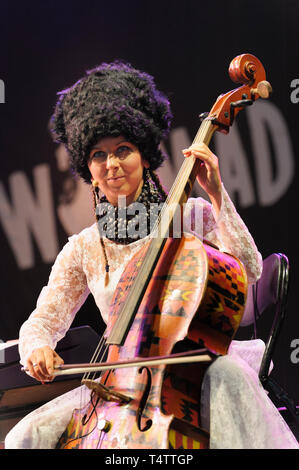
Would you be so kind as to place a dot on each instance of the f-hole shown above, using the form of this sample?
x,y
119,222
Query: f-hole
x,y
143,401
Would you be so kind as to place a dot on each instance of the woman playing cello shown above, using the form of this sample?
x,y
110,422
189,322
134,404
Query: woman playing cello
x,y
112,122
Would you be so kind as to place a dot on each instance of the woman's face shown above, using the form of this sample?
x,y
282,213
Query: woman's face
x,y
117,166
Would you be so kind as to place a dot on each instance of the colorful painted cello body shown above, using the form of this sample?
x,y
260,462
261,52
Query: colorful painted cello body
x,y
177,306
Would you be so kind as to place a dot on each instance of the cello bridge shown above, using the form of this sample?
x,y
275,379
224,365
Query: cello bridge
x,y
105,393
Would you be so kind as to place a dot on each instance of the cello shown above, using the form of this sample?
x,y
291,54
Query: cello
x,y
177,306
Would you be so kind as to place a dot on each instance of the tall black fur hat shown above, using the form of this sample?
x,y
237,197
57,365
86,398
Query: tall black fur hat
x,y
110,100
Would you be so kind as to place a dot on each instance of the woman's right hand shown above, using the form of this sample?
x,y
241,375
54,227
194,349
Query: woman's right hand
x,y
41,363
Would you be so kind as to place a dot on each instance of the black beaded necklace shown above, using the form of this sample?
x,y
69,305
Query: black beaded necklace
x,y
125,225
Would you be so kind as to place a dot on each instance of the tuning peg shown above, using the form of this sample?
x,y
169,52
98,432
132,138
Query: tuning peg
x,y
203,116
263,89
241,103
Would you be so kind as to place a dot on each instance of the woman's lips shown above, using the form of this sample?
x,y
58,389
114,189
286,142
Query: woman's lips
x,y
115,177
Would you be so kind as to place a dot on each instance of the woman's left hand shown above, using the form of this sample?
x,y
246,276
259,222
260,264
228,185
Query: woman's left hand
x,y
208,175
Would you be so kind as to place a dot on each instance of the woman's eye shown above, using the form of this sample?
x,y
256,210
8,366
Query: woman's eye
x,y
99,155
122,151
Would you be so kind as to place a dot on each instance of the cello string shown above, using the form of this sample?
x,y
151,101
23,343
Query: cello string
x,y
99,351
184,172
175,197
87,375
102,347
101,360
175,191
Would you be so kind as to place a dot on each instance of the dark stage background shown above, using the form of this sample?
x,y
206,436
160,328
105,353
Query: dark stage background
x,y
187,46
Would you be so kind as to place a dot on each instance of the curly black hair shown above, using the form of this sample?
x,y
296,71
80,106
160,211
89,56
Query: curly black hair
x,y
110,100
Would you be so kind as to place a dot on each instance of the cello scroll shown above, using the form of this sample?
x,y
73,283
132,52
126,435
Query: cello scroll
x,y
248,70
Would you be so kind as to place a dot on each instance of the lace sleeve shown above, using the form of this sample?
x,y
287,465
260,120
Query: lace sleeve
x,y
58,302
230,234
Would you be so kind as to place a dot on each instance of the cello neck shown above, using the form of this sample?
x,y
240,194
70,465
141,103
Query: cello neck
x,y
184,181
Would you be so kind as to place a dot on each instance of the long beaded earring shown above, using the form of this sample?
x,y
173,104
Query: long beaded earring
x,y
96,198
157,182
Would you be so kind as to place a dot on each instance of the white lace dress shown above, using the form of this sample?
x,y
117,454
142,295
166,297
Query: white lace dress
x,y
235,407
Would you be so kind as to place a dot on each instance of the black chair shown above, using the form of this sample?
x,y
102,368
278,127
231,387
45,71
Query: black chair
x,y
271,291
